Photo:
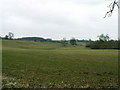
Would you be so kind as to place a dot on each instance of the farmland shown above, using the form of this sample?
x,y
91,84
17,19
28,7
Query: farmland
x,y
50,65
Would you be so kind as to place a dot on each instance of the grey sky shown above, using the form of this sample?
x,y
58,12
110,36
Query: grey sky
x,y
82,19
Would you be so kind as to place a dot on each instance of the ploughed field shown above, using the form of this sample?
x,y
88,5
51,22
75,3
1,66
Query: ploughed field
x,y
50,65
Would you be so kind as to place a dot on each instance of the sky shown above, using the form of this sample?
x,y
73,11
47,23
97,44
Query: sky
x,y
57,19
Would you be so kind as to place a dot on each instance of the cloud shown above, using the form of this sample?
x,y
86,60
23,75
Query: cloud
x,y
57,18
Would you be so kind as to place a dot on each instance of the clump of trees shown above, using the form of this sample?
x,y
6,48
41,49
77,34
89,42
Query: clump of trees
x,y
9,36
73,41
103,38
34,39
104,42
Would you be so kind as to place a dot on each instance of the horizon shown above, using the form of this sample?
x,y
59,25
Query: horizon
x,y
56,39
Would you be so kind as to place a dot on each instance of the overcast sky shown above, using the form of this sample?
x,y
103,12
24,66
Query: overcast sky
x,y
56,19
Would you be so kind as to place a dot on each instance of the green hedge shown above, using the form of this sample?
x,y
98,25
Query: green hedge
x,y
104,44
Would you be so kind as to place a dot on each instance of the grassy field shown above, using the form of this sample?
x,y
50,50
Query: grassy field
x,y
49,65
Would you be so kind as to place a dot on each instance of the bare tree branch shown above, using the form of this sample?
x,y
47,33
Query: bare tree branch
x,y
111,7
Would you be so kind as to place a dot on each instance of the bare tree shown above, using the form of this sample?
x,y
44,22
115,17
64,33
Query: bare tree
x,y
103,37
111,7
10,35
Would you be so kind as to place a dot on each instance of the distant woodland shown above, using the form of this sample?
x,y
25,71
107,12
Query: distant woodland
x,y
103,42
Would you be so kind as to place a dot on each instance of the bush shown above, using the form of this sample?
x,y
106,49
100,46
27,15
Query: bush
x,y
73,41
105,45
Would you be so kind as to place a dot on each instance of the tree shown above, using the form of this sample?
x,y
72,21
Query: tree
x,y
64,42
10,35
111,7
103,37
73,41
6,37
49,40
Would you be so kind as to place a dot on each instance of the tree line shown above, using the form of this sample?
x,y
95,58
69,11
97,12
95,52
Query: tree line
x,y
64,42
104,42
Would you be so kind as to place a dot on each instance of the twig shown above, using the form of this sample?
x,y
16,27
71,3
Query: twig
x,y
111,6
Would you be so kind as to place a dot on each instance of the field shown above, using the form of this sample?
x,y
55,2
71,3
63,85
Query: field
x,y
50,65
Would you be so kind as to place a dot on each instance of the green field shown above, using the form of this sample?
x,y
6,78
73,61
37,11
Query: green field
x,y
50,65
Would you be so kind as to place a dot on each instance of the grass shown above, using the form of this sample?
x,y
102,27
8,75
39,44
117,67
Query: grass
x,y
49,65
